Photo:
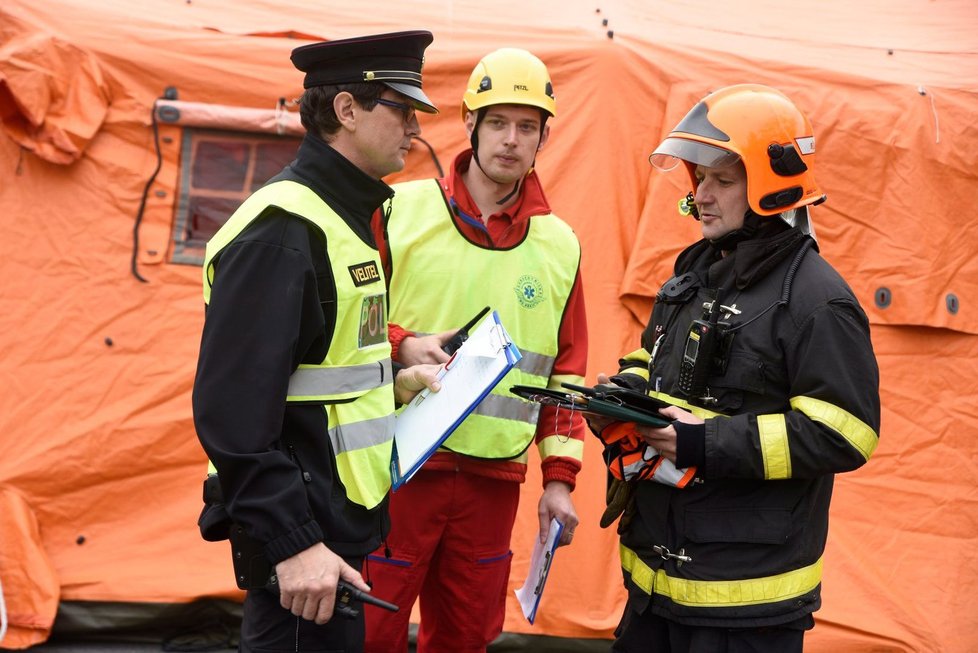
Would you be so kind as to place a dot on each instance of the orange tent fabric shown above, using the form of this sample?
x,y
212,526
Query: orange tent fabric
x,y
96,433
30,584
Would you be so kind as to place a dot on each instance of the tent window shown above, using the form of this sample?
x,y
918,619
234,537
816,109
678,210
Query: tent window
x,y
219,170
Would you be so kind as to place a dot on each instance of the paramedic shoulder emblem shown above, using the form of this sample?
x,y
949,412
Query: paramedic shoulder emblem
x,y
364,273
529,291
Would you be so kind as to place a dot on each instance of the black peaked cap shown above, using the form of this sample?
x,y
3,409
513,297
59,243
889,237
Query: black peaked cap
x,y
393,59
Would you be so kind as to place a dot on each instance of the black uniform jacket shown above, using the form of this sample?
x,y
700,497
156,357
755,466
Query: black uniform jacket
x,y
744,520
273,306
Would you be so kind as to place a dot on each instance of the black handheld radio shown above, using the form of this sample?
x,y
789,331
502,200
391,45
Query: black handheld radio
x,y
462,334
253,571
348,598
701,345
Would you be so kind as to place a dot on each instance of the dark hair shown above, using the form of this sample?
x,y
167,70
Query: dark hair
x,y
316,105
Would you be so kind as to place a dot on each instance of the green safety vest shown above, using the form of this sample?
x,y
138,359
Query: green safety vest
x,y
353,381
440,280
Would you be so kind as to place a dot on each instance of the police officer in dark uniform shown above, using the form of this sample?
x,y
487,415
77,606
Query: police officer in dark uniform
x,y
765,353
295,392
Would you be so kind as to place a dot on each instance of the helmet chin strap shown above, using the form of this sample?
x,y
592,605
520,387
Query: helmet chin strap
x,y
516,187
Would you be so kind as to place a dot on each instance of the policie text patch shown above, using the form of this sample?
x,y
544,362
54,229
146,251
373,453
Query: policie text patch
x,y
373,321
364,273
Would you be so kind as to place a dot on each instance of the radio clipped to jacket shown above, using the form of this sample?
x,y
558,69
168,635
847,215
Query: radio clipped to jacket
x,y
705,352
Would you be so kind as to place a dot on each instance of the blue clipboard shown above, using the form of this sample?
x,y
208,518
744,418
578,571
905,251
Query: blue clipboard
x,y
540,562
466,379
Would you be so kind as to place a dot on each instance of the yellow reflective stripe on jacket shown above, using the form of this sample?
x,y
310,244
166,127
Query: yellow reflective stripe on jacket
x,y
720,593
439,280
556,381
558,444
682,403
859,434
772,431
353,378
637,363
561,445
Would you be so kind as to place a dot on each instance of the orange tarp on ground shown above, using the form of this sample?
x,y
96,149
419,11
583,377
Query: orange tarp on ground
x,y
99,466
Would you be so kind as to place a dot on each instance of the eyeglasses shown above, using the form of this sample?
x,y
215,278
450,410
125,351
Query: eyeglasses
x,y
404,108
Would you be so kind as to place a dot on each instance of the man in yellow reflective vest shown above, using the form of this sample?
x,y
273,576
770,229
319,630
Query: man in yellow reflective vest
x,y
294,394
766,354
483,235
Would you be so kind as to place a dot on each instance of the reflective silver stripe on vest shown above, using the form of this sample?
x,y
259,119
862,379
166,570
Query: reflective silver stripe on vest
x,y
536,364
508,408
361,435
326,381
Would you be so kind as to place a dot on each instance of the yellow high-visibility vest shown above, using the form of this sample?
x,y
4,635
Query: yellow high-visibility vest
x,y
440,280
353,381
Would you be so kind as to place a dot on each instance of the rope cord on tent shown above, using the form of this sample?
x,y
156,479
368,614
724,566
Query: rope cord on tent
x,y
142,202
933,108
3,615
434,157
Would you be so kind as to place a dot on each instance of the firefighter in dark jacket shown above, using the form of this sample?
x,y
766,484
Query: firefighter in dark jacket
x,y
766,355
294,394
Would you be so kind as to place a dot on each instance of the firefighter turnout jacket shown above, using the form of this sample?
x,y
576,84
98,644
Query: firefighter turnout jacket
x,y
792,399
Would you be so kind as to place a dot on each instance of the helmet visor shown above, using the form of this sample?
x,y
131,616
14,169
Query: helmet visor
x,y
673,150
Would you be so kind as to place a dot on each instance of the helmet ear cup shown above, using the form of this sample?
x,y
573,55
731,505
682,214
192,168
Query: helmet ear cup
x,y
782,199
785,160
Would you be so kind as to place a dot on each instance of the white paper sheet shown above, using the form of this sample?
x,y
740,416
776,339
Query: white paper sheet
x,y
474,370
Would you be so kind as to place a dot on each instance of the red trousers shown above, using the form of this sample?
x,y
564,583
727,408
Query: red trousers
x,y
449,544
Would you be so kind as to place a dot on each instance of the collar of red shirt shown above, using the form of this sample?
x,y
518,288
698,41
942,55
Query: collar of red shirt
x,y
530,201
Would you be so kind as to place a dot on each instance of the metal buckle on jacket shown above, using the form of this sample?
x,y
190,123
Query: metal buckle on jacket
x,y
678,290
680,556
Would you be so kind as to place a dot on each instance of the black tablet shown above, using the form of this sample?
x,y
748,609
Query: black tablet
x,y
599,401
625,396
550,396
